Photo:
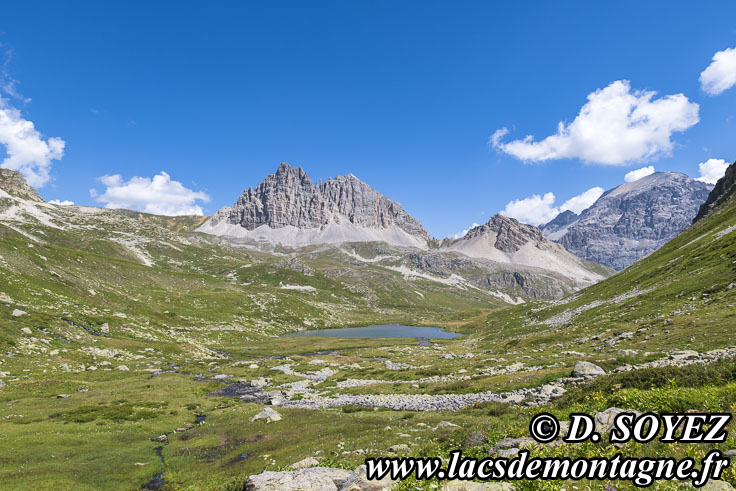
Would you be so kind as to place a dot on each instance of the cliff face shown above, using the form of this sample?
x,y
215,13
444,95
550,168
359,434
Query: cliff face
x,y
13,183
723,189
633,220
345,204
508,235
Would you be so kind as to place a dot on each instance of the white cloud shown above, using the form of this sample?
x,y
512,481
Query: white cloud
x,y
534,210
711,170
65,202
158,195
616,126
538,210
578,203
462,234
720,74
26,150
637,174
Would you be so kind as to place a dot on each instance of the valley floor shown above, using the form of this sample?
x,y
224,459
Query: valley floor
x,y
190,426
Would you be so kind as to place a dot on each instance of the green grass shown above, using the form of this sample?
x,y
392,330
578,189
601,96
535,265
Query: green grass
x,y
205,309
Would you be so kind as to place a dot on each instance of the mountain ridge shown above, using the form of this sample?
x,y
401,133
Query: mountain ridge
x,y
288,208
632,220
723,189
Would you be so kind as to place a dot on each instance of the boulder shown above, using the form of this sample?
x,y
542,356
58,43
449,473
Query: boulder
x,y
716,486
18,312
269,414
313,478
587,369
358,481
684,355
604,419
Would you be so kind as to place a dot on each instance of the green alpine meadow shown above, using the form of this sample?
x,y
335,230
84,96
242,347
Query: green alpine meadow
x,y
139,353
367,245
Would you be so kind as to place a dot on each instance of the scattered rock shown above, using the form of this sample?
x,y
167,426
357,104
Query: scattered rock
x,y
587,369
160,439
18,312
26,330
122,368
446,424
269,414
2,384
260,382
105,328
318,478
684,355
62,396
400,448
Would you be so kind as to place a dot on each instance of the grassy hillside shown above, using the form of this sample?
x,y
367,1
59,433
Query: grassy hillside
x,y
129,328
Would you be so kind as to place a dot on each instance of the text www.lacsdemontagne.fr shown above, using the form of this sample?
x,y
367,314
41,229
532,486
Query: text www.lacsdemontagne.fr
x,y
640,471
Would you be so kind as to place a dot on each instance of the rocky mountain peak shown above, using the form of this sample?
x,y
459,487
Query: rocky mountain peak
x,y
723,189
13,183
350,208
509,234
632,220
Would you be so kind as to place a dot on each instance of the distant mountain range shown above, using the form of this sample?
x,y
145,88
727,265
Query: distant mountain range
x,y
630,221
288,209
287,212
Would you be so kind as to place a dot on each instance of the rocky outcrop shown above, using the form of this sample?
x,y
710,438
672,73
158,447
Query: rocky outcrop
x,y
341,209
509,235
723,189
317,479
632,220
507,241
13,183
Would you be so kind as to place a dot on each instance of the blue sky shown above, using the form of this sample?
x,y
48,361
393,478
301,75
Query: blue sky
x,y
405,95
